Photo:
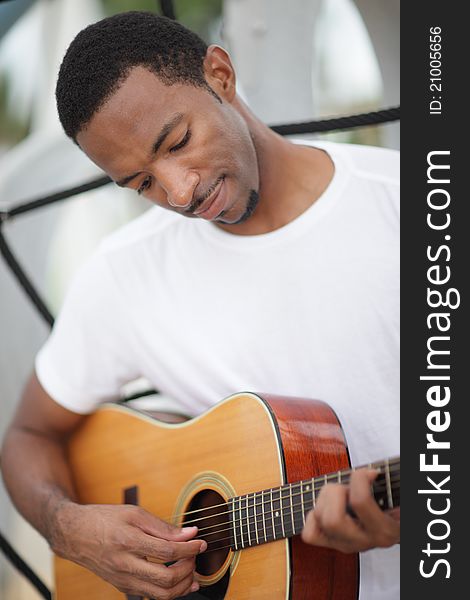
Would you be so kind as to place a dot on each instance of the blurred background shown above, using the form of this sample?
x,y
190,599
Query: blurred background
x,y
296,61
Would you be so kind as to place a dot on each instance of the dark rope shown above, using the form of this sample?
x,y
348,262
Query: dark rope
x,y
167,8
51,198
336,123
24,281
23,568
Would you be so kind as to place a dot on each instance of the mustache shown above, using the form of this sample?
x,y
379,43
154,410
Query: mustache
x,y
196,203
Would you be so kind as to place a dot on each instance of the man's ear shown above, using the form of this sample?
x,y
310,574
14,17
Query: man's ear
x,y
219,72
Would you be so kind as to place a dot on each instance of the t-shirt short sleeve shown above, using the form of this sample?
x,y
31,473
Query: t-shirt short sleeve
x,y
88,357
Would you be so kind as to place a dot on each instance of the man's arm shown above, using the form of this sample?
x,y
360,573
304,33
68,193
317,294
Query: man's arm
x,y
111,540
331,525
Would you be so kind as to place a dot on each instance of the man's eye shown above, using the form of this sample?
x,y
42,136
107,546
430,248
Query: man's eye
x,y
183,142
144,185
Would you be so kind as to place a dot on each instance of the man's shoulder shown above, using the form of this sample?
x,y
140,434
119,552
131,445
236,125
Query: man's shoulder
x,y
374,162
370,162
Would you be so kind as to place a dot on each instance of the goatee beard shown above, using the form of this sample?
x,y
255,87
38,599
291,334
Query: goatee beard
x,y
253,200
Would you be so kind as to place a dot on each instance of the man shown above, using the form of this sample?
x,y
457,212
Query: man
x,y
284,279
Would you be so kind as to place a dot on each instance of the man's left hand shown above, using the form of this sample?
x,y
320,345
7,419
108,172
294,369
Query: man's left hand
x,y
330,525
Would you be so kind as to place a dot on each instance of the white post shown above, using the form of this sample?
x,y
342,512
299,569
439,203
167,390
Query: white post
x,y
382,19
270,42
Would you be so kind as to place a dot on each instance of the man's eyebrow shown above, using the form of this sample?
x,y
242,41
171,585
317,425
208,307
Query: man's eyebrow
x,y
165,131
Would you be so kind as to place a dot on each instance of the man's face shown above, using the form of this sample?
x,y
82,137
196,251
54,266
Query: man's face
x,y
178,146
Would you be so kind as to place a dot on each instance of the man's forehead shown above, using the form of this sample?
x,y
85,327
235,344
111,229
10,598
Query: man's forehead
x,y
139,106
141,90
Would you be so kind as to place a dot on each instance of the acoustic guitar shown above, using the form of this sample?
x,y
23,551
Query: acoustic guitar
x,y
246,472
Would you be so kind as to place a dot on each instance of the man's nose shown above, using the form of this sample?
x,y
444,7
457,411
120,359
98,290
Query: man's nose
x,y
179,185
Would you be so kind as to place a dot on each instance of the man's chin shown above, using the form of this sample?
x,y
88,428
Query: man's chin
x,y
252,203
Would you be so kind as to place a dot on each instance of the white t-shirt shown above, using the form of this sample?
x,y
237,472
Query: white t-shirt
x,y
311,309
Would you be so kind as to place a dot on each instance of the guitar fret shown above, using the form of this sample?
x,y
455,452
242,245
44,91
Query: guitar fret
x,y
281,513
277,514
379,490
256,518
297,507
308,496
302,502
232,515
248,519
378,495
291,508
272,514
252,519
264,520
285,516
241,520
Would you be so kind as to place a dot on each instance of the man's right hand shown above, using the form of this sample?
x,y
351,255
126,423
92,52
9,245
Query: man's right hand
x,y
128,547
123,544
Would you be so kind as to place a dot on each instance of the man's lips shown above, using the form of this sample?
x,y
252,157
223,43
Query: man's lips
x,y
214,204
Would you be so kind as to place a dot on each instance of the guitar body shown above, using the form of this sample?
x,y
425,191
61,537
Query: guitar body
x,y
247,442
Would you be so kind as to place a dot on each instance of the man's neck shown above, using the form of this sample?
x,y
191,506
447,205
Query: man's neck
x,y
292,178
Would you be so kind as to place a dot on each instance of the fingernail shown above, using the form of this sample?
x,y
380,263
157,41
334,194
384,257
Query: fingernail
x,y
193,527
203,547
195,587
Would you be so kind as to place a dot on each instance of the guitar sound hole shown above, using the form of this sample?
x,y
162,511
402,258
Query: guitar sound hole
x,y
209,512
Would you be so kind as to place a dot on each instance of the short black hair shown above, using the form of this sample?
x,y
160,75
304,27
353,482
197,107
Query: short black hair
x,y
100,57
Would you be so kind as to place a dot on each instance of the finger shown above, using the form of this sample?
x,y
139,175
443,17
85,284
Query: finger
x,y
333,527
153,590
330,511
159,528
164,551
360,488
165,577
360,492
311,533
383,529
193,587
182,582
185,587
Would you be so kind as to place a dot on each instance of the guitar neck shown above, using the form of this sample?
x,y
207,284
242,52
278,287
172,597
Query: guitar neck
x,y
278,513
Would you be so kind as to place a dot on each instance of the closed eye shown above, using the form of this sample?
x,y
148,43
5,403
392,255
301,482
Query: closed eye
x,y
184,141
146,183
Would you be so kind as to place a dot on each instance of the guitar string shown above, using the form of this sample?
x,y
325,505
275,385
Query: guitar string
x,y
245,520
299,486
382,489
253,524
394,465
330,477
268,528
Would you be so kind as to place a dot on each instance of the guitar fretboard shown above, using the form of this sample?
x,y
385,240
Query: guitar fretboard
x,y
277,513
